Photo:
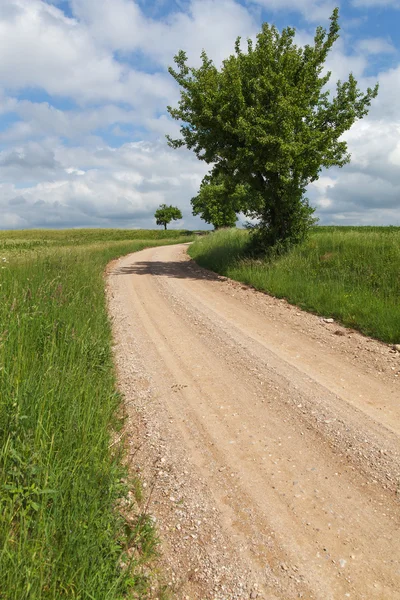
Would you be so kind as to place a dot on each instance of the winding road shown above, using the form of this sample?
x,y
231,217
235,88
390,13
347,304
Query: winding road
x,y
269,438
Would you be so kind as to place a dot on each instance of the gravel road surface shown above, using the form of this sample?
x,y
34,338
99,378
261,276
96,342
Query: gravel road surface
x,y
267,438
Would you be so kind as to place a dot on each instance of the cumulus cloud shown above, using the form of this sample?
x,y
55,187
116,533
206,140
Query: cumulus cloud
x,y
120,187
213,25
40,119
376,3
313,10
28,163
367,191
386,104
100,81
375,46
42,48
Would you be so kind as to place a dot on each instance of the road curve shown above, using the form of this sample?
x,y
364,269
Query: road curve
x,y
270,439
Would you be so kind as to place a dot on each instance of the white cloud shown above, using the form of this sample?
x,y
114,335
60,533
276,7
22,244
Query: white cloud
x,y
41,48
121,187
40,119
367,191
32,156
39,44
89,60
7,104
376,3
386,104
213,25
74,58
313,10
375,46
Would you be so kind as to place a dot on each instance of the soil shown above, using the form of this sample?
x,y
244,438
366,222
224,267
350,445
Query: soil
x,y
266,437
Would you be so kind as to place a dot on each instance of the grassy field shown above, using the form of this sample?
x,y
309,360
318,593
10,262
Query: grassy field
x,y
34,239
349,273
62,534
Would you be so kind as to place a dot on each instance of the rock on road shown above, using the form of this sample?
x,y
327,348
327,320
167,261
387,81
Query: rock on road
x,y
268,439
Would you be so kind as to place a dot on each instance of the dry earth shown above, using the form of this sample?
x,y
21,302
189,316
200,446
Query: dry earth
x,y
267,438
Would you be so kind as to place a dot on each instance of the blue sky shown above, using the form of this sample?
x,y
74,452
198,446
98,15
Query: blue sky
x,y
83,94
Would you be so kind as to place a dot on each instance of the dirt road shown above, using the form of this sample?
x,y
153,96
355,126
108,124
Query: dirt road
x,y
269,438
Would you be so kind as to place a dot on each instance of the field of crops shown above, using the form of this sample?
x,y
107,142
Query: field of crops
x,y
61,476
349,273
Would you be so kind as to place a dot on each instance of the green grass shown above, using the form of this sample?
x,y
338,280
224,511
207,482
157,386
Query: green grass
x,y
37,239
349,273
62,533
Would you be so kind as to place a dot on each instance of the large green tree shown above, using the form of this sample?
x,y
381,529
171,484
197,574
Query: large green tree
x,y
165,214
219,200
268,120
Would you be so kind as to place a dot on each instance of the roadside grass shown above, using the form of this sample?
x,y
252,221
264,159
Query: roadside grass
x,y
351,274
66,527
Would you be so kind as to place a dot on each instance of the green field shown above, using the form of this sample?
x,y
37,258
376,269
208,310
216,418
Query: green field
x,y
61,478
35,239
349,273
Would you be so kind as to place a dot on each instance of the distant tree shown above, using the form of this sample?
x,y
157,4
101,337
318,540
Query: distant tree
x,y
165,214
267,119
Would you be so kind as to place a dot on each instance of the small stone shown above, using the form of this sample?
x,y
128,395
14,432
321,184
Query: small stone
x,y
328,320
396,347
253,595
342,563
284,567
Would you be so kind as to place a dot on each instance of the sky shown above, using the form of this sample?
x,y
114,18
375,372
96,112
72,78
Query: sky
x,y
84,88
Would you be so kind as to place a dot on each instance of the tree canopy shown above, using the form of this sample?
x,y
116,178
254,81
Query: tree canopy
x,y
165,214
219,200
268,120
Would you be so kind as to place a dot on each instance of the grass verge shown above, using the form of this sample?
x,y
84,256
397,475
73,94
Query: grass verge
x,y
349,273
63,533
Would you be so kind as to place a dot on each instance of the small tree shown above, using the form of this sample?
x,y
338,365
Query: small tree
x,y
165,214
218,201
267,119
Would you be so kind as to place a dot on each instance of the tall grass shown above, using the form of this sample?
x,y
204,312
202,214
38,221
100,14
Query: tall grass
x,y
62,534
349,273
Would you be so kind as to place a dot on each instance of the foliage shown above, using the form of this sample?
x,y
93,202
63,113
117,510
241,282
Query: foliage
x,y
165,214
266,119
349,273
219,200
62,534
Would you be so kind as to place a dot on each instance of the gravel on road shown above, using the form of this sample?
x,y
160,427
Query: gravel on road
x,y
267,438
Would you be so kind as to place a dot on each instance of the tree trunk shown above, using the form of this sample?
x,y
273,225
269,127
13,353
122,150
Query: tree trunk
x,y
165,226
